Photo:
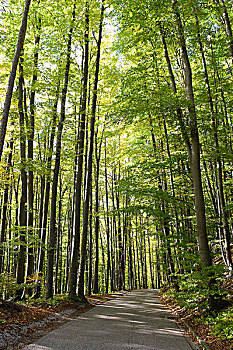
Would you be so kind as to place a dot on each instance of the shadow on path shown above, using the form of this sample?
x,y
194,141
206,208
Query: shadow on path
x,y
136,320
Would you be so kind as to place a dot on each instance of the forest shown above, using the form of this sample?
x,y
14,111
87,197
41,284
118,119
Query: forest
x,y
116,150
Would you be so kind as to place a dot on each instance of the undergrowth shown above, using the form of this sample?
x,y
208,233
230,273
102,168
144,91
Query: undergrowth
x,y
192,299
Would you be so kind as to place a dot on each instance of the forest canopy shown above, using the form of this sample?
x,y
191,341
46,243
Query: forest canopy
x,y
116,147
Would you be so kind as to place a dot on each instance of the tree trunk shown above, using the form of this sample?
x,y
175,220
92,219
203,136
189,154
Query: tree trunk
x,y
137,252
96,275
204,250
4,210
97,157
228,27
45,207
52,236
19,47
90,248
158,269
120,246
223,211
75,243
151,266
59,233
178,109
20,273
108,224
30,256
89,168
144,244
130,271
10,260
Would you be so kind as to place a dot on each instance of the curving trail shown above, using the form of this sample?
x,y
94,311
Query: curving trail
x,y
136,320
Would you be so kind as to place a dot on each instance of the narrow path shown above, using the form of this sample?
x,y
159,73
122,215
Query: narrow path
x,y
136,320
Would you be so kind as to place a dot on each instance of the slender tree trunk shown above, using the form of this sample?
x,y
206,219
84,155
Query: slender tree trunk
x,y
30,256
68,248
178,110
212,191
4,210
9,266
138,263
141,256
145,259
120,246
96,274
89,168
135,285
124,242
150,261
103,264
158,269
108,223
114,235
59,233
223,211
204,250
19,47
20,273
16,192
52,236
228,27
90,247
130,272
75,244
166,230
41,207
45,207
97,220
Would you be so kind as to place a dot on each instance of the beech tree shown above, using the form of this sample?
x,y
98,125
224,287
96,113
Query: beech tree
x,y
117,171
89,165
7,103
52,237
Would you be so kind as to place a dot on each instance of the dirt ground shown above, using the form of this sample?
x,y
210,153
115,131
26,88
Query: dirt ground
x,y
202,331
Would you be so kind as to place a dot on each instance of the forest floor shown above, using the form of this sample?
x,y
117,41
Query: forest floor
x,y
213,330
200,331
22,324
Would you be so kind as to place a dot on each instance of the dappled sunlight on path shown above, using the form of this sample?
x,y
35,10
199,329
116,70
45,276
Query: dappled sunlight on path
x,y
135,321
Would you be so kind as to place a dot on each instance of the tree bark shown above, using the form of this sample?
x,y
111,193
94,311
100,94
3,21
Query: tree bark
x,y
30,256
75,244
223,212
228,27
89,168
97,220
4,210
20,273
178,109
7,103
52,236
108,223
90,248
204,250
151,266
44,210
